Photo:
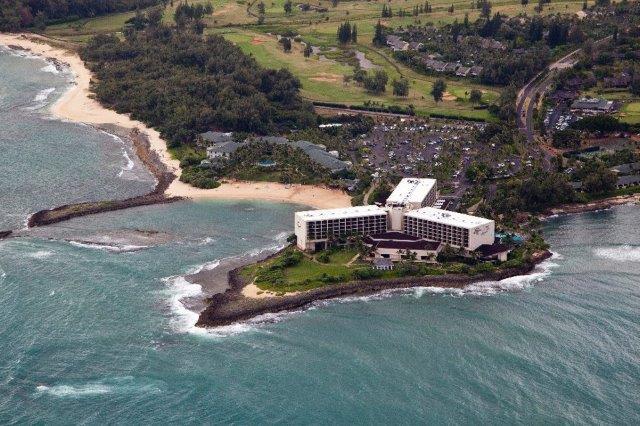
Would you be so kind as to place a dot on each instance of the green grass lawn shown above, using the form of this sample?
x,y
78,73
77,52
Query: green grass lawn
x,y
630,113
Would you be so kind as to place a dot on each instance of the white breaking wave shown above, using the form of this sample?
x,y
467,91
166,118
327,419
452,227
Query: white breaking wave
x,y
624,253
40,254
118,385
184,319
106,247
485,288
74,391
280,243
207,240
44,94
51,68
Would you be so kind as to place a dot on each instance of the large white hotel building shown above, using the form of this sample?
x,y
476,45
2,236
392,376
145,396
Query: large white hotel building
x,y
407,210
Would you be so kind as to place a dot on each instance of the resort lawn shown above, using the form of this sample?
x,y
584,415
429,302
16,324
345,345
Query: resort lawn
x,y
292,270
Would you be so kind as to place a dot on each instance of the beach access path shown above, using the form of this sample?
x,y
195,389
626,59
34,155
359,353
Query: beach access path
x,y
79,105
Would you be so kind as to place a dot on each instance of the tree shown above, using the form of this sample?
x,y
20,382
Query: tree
x,y
377,83
334,3
379,38
451,9
261,8
286,44
475,96
354,34
307,50
344,33
635,82
438,89
600,181
485,9
288,7
524,2
401,87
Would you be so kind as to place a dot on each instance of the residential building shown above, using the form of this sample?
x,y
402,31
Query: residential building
x,y
475,70
314,229
209,138
463,71
396,43
592,106
455,229
382,264
222,150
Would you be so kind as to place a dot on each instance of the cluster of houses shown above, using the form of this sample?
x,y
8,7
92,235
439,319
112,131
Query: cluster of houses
x,y
627,175
408,226
431,61
220,146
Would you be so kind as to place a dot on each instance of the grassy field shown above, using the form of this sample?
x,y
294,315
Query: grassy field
x,y
309,272
630,113
323,76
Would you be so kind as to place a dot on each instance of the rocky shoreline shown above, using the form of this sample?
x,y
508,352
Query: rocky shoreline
x,y
231,306
151,161
605,203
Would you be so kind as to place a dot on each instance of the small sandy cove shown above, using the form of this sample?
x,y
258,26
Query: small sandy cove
x,y
78,105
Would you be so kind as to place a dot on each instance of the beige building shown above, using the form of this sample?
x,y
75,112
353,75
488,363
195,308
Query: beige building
x,y
315,228
410,194
455,229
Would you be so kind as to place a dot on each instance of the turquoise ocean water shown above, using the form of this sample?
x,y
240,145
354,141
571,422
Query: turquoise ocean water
x,y
99,334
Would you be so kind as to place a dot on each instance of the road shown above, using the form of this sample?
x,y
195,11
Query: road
x,y
537,87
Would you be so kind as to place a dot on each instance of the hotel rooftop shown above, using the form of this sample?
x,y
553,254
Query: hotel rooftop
x,y
344,213
411,190
447,217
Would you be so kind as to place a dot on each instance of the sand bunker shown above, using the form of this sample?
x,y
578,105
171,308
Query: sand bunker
x,y
446,96
327,77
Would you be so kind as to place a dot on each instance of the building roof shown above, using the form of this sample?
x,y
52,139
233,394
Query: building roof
x,y
382,262
411,190
593,104
409,245
626,169
487,250
392,235
628,180
217,137
224,147
449,218
343,213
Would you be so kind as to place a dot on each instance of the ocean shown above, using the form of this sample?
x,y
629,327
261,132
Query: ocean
x,y
95,329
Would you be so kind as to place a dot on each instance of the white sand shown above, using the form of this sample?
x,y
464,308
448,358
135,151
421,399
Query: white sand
x,y
252,291
78,105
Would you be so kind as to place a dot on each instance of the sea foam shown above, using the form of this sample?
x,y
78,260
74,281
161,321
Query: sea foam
x,y
107,247
44,94
118,385
623,253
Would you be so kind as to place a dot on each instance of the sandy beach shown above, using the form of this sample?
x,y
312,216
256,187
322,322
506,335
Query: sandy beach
x,y
78,105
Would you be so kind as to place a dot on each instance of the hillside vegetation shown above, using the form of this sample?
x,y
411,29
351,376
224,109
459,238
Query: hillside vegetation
x,y
182,84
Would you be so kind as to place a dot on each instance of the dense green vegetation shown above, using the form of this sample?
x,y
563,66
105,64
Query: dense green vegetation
x,y
183,84
19,14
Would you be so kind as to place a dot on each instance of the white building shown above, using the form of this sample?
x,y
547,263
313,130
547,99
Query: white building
x,y
314,228
410,194
455,229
